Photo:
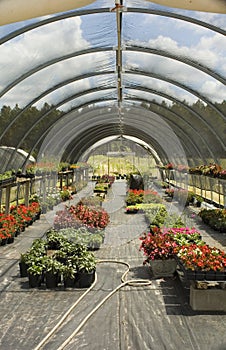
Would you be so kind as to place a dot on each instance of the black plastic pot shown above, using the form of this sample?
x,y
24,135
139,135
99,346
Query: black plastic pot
x,y
23,269
52,280
70,282
34,280
85,279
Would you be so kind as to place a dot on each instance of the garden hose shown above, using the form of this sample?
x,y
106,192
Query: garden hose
x,y
132,282
39,346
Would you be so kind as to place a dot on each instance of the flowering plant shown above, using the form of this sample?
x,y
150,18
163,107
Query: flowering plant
x,y
215,218
201,257
169,192
169,166
212,169
184,235
65,219
182,168
151,196
8,225
108,178
92,217
159,246
65,194
134,197
142,196
22,214
132,209
80,214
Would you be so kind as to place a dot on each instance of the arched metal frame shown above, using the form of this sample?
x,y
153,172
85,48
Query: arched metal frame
x,y
64,134
81,145
189,62
84,76
97,89
173,124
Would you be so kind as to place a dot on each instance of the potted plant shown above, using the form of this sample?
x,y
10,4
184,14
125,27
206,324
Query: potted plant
x,y
202,262
53,269
94,241
131,209
134,197
39,247
101,188
86,269
69,272
54,239
159,251
35,272
23,264
65,195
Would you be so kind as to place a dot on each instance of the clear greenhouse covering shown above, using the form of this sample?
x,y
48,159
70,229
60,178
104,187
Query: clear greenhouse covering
x,y
127,68
113,174
18,161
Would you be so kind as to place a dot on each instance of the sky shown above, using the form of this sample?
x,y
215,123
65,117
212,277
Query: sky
x,y
33,49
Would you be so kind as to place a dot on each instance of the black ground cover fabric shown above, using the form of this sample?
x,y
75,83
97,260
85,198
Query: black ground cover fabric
x,y
154,317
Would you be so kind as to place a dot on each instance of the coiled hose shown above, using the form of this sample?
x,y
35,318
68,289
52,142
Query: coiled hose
x,y
132,282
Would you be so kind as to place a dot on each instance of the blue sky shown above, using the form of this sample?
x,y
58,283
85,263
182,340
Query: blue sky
x,y
54,40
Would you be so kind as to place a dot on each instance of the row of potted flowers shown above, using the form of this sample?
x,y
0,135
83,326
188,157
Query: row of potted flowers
x,y
55,261
81,214
212,169
103,184
184,196
83,223
184,247
136,197
64,255
12,224
215,218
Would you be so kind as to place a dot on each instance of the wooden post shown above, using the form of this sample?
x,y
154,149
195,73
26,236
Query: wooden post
x,y
7,200
0,199
61,180
27,193
224,192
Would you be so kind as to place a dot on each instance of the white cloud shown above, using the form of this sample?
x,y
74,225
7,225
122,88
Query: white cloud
x,y
46,78
63,37
214,91
34,47
209,51
39,46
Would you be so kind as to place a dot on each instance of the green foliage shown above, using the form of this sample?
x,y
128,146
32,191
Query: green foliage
x,y
215,218
156,214
65,195
6,175
92,240
198,198
66,259
69,270
52,265
87,262
14,136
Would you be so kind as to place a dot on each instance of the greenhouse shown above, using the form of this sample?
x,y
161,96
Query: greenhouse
x,y
113,174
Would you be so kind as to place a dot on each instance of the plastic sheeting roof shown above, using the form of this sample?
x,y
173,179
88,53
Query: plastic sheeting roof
x,y
18,161
117,72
